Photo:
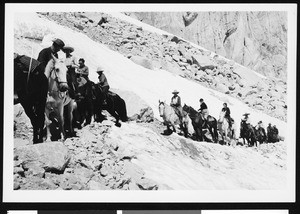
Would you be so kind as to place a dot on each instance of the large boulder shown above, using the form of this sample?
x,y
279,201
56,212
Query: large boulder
x,y
49,156
203,61
137,109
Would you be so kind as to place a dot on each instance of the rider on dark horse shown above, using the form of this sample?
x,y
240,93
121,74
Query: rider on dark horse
x,y
203,110
227,114
102,84
176,104
246,120
71,75
260,128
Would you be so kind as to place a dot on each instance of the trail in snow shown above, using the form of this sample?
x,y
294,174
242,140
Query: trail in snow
x,y
150,85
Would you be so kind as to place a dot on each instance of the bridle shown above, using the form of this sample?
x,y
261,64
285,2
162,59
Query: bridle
x,y
56,80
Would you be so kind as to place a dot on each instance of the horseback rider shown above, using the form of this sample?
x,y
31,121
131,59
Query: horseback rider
x,y
82,71
176,104
227,114
45,55
246,120
103,84
71,65
260,127
203,108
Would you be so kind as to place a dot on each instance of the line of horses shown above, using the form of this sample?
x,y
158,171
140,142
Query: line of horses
x,y
211,130
45,92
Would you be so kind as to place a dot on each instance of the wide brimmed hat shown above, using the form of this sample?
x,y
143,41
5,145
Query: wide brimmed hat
x,y
175,92
246,114
99,69
68,48
59,42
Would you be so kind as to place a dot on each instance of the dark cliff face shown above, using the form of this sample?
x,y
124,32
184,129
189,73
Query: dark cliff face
x,y
257,40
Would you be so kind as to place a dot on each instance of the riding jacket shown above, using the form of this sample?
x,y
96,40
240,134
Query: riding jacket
x,y
102,80
203,106
45,56
176,101
83,71
227,111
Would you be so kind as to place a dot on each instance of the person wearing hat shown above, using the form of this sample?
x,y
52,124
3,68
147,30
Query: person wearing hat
x,y
103,83
71,65
176,104
246,118
46,54
227,113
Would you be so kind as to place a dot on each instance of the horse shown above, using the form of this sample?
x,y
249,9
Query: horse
x,y
199,123
58,97
272,134
84,101
172,119
115,105
248,133
260,135
31,91
227,133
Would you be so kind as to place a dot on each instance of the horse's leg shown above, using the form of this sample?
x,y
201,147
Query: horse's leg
x,y
89,113
60,109
28,108
47,113
70,116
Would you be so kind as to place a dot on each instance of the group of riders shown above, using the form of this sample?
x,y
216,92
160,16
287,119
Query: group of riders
x,y
203,111
78,77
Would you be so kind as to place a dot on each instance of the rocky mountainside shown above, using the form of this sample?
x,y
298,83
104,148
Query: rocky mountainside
x,y
257,40
170,53
137,156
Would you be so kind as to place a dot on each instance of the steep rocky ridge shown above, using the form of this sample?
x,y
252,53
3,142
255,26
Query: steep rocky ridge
x,y
257,40
180,57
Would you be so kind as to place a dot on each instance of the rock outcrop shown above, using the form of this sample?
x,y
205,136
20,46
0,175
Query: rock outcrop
x,y
257,40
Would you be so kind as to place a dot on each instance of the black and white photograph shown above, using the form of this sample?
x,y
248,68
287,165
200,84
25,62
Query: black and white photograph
x,y
150,103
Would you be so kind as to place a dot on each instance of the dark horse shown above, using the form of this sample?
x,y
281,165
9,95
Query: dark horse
x,y
248,132
115,105
260,135
199,123
85,100
31,88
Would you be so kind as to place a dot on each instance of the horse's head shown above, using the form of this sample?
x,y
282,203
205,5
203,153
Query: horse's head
x,y
161,107
57,70
185,107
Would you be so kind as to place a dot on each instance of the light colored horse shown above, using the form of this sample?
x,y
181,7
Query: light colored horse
x,y
171,119
227,133
58,97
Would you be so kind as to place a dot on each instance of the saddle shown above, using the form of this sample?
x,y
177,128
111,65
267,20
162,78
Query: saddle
x,y
27,62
